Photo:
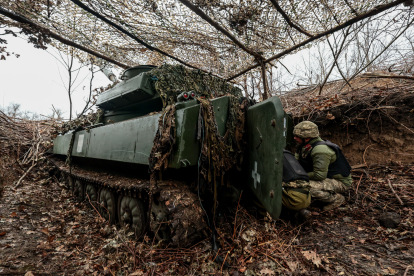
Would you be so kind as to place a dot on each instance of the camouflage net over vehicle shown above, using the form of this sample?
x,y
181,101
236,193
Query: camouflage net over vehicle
x,y
83,121
219,153
171,80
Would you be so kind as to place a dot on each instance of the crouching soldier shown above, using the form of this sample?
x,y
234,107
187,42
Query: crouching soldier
x,y
328,170
295,186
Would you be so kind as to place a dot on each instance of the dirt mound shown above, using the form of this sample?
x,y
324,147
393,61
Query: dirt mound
x,y
373,124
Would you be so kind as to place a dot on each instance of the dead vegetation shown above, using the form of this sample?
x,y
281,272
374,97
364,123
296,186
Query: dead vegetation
x,y
373,120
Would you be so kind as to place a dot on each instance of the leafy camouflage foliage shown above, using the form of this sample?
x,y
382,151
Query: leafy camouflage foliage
x,y
171,80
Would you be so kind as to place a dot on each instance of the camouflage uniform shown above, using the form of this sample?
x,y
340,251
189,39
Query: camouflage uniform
x,y
322,188
296,195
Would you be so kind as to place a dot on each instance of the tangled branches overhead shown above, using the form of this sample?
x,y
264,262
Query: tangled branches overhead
x,y
228,37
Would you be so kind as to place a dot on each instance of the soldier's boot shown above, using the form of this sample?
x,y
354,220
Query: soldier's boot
x,y
304,214
301,216
338,199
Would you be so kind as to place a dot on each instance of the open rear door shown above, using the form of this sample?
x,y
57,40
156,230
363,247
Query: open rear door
x,y
266,132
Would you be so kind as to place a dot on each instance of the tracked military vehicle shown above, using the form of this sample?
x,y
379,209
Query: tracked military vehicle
x,y
154,159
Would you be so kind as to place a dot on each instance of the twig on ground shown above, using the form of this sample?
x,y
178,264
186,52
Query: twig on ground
x,y
235,216
392,189
216,254
93,206
356,191
406,270
24,175
228,252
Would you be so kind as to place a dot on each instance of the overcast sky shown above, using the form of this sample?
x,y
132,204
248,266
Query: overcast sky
x,y
33,80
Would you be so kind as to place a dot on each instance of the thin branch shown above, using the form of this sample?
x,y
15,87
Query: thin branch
x,y
90,92
352,9
337,65
392,189
24,20
287,19
378,9
335,60
383,50
122,30
217,26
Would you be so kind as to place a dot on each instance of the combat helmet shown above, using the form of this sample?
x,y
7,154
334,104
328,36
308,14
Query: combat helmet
x,y
306,129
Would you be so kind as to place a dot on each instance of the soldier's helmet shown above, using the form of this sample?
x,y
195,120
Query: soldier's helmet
x,y
306,129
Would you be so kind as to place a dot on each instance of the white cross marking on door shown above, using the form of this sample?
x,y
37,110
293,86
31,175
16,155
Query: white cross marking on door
x,y
255,175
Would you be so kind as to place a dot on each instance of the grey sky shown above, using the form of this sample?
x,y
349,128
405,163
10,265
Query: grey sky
x,y
34,80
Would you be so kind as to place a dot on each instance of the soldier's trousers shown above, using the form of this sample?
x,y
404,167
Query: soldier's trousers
x,y
295,200
325,190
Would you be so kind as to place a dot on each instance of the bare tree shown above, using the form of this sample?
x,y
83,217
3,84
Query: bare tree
x,y
73,74
57,113
13,110
91,99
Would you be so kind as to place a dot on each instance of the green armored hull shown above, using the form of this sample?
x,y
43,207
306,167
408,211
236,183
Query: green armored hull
x,y
132,140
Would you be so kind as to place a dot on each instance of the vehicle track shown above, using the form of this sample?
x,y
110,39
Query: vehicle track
x,y
176,215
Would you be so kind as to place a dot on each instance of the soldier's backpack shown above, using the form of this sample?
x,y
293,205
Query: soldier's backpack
x,y
292,170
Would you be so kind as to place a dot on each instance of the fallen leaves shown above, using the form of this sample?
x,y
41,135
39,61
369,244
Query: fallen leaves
x,y
45,231
138,272
312,256
292,265
60,248
267,271
329,116
3,233
51,238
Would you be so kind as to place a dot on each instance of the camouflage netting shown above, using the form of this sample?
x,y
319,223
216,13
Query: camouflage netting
x,y
219,153
83,121
171,80
163,141
253,29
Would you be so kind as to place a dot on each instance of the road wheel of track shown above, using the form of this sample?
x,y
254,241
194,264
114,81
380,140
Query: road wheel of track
x,y
107,205
79,190
55,172
131,213
91,195
69,182
63,179
159,217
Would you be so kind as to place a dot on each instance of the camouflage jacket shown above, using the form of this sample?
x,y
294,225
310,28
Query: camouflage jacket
x,y
322,156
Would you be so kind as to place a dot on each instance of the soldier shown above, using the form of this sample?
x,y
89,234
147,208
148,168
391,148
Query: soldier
x,y
328,170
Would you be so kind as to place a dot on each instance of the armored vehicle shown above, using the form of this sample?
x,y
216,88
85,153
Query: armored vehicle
x,y
169,144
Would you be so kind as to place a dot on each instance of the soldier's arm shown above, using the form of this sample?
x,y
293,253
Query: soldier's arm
x,y
321,159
